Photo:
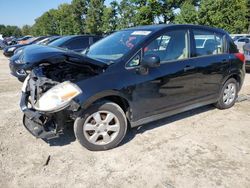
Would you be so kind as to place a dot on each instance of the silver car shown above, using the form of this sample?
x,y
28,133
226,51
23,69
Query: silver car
x,y
246,49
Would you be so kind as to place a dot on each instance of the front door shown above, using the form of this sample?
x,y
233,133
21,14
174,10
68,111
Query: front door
x,y
172,84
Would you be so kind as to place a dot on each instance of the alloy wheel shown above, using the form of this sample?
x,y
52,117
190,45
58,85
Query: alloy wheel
x,y
101,127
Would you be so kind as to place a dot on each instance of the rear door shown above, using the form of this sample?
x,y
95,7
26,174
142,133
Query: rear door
x,y
211,60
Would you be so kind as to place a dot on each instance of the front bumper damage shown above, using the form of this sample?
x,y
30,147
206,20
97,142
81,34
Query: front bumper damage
x,y
41,125
44,125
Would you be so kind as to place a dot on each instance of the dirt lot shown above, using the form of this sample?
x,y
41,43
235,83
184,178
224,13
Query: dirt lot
x,y
202,148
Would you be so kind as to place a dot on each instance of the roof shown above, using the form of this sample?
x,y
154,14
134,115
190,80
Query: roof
x,y
158,27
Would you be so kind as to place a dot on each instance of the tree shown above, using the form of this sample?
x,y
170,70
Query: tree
x,y
94,16
188,14
146,11
47,24
227,14
248,15
109,20
26,30
79,8
126,14
65,20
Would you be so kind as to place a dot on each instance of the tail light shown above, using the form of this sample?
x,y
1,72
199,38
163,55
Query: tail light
x,y
240,56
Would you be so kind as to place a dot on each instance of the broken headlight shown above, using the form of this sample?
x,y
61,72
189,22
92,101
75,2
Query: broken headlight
x,y
58,97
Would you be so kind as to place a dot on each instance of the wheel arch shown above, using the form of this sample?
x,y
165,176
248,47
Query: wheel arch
x,y
113,96
236,77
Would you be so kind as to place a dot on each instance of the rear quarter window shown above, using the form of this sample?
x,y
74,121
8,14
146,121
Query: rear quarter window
x,y
232,48
208,42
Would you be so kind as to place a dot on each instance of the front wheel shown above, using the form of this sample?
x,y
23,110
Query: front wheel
x,y
228,94
101,127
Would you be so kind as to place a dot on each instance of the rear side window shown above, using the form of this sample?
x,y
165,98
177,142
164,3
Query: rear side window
x,y
208,43
78,43
232,46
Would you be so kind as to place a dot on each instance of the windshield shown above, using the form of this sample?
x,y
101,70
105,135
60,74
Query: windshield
x,y
116,45
59,42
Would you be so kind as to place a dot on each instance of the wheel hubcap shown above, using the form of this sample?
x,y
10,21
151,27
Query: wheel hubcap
x,y
101,128
229,94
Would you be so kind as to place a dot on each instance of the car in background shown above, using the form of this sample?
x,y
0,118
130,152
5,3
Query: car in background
x,y
9,50
10,40
76,43
2,44
23,40
246,49
48,40
241,42
237,36
129,78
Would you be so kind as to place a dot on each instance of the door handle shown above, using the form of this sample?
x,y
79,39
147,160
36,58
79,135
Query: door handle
x,y
188,67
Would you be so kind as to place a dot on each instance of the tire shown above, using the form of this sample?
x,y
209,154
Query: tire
x,y
94,130
224,104
21,79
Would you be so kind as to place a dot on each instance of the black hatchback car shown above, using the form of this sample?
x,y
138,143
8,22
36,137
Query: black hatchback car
x,y
129,78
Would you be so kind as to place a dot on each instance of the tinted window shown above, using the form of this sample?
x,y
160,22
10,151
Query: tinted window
x,y
232,47
60,41
173,45
212,43
78,43
96,39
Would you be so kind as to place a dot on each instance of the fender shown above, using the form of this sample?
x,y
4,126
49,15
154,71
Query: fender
x,y
101,95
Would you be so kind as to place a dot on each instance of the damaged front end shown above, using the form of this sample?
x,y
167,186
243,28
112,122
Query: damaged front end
x,y
48,97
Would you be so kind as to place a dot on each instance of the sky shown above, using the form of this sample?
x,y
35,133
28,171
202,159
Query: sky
x,y
21,12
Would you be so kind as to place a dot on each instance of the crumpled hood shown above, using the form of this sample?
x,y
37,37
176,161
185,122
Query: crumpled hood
x,y
34,55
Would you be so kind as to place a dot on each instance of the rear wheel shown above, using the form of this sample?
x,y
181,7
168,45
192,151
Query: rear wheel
x,y
101,127
228,94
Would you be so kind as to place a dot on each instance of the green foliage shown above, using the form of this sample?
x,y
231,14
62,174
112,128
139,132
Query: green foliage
x,y
126,12
26,30
94,17
109,20
10,31
79,8
188,14
227,14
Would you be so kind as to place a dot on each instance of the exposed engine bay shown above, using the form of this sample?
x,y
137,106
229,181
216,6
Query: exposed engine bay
x,y
41,79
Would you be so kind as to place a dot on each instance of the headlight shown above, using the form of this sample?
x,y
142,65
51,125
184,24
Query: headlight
x,y
58,97
11,49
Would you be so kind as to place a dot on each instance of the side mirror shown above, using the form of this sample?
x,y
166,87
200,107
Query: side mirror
x,y
150,61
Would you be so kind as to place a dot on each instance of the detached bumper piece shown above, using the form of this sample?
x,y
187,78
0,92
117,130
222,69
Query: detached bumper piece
x,y
41,125
40,130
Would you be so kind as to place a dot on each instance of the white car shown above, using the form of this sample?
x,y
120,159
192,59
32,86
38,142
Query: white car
x,y
241,42
246,49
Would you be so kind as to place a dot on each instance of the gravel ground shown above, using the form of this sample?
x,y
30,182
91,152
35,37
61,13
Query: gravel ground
x,y
205,147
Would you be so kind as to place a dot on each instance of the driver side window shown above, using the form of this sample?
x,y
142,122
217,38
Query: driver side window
x,y
172,45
